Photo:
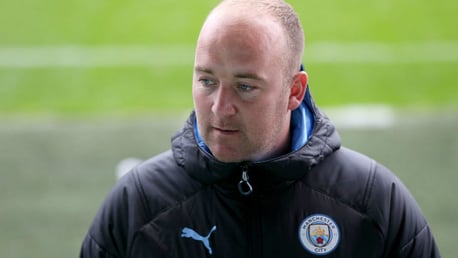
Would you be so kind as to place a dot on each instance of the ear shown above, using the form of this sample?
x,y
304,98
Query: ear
x,y
298,89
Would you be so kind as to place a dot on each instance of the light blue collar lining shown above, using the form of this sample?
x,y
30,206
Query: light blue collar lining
x,y
301,126
199,140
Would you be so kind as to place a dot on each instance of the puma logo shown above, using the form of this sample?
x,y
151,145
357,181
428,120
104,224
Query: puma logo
x,y
189,233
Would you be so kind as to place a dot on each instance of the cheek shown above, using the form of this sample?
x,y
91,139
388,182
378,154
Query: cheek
x,y
270,116
195,92
199,98
260,120
202,108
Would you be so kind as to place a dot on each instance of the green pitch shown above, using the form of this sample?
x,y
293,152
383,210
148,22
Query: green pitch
x,y
423,76
62,104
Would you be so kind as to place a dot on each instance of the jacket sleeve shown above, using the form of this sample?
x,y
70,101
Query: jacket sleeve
x,y
401,221
121,214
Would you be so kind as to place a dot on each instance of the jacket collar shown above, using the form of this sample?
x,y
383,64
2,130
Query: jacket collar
x,y
202,166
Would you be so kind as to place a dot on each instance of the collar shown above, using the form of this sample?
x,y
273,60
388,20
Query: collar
x,y
202,166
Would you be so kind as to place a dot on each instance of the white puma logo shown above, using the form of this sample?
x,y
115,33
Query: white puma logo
x,y
189,233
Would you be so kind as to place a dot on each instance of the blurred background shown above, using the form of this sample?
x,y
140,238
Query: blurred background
x,y
86,84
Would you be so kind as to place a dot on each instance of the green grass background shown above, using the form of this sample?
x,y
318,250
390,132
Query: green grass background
x,y
125,90
62,130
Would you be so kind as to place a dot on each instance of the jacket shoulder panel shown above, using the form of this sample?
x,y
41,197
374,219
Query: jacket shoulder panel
x,y
377,194
402,223
137,198
163,183
346,176
115,222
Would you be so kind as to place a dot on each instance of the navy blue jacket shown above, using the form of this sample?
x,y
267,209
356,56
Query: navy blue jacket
x,y
321,200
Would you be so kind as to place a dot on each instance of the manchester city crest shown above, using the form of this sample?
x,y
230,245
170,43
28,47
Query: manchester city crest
x,y
319,234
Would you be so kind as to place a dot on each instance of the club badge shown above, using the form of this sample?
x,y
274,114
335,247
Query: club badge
x,y
319,234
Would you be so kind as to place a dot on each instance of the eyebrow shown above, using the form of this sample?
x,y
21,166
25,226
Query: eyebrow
x,y
203,70
251,76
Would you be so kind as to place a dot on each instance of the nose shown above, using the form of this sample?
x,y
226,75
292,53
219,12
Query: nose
x,y
224,102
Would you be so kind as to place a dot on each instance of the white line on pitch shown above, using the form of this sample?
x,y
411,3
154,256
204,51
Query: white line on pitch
x,y
362,116
174,55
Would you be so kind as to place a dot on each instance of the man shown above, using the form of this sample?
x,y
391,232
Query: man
x,y
257,170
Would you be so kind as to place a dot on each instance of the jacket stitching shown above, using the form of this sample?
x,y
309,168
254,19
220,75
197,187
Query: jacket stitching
x,y
177,203
99,246
325,141
369,184
410,242
142,196
159,213
346,204
368,192
141,190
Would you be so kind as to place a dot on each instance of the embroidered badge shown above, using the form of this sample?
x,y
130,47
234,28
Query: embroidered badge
x,y
189,233
319,234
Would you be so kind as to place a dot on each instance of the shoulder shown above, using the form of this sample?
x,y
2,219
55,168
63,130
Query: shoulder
x,y
379,196
362,181
162,183
151,187
347,176
137,198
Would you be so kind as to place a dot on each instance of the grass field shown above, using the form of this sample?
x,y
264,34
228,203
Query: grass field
x,y
403,53
82,84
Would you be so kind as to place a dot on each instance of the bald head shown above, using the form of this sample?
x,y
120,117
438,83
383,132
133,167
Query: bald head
x,y
276,11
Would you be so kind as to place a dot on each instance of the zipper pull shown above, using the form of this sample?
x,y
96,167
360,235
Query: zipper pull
x,y
245,187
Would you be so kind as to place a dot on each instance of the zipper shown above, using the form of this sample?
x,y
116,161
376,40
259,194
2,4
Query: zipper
x,y
253,215
244,185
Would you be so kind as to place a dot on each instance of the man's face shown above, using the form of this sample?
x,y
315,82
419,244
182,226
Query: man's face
x,y
239,90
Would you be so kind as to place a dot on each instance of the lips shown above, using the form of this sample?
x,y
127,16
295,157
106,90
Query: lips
x,y
225,131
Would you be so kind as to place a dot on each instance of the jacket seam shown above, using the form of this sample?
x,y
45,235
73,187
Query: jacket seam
x,y
105,250
325,142
370,184
141,190
159,213
178,203
425,227
346,204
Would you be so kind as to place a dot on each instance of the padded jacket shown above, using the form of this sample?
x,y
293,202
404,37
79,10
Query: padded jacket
x,y
320,200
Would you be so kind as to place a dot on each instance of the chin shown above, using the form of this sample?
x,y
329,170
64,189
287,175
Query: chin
x,y
228,159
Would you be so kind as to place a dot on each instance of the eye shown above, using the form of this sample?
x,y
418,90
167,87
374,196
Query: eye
x,y
245,87
206,82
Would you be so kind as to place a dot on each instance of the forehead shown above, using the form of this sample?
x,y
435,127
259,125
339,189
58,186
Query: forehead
x,y
239,23
236,35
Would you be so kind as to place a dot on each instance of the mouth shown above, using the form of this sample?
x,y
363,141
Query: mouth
x,y
225,131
